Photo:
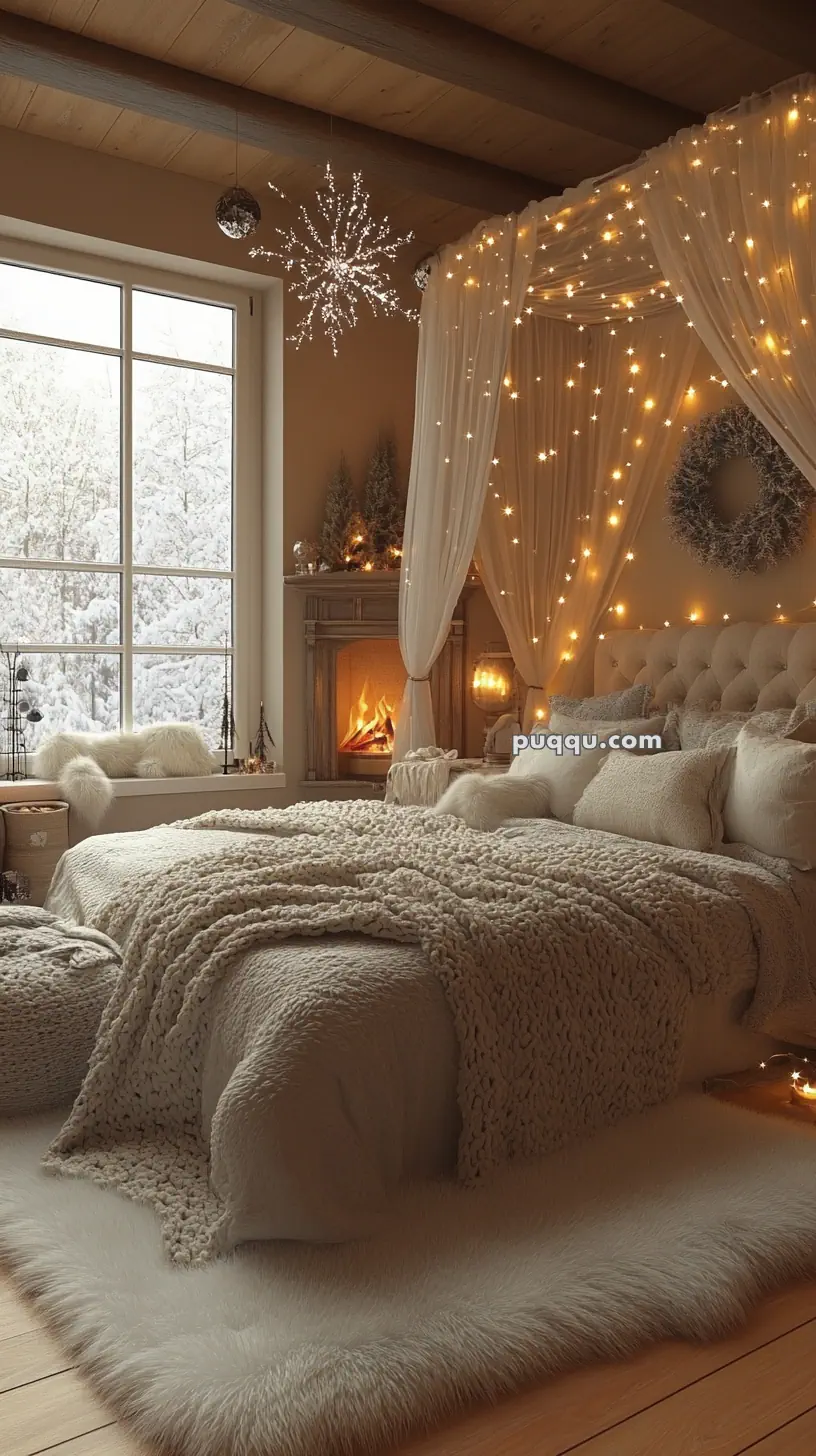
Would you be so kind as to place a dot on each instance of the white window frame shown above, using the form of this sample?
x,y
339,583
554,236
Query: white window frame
x,y
246,465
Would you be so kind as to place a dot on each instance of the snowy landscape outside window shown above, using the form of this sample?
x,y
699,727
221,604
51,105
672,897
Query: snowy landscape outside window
x,y
117,425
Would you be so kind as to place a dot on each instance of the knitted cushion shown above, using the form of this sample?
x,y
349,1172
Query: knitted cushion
x,y
668,798
55,981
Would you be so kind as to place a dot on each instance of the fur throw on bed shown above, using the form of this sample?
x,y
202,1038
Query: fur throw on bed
x,y
484,802
84,763
567,959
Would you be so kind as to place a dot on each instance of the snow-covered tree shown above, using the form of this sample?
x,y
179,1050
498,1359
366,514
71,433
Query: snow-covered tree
x,y
339,519
382,508
60,502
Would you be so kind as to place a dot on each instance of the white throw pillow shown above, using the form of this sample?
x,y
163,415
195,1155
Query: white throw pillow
x,y
665,798
568,773
771,801
484,802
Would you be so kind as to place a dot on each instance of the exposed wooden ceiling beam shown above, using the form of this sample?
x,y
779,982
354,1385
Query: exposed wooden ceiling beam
x,y
462,54
786,28
101,72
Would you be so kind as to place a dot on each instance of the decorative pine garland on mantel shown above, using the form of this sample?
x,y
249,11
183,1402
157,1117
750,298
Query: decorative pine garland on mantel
x,y
775,527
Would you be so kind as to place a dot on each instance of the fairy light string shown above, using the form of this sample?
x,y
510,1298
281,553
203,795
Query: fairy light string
x,y
594,270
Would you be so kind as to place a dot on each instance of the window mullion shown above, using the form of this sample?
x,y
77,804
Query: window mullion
x,y
127,507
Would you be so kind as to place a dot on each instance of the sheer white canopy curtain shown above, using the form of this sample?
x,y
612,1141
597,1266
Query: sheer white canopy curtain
x,y
590,420
474,293
556,356
730,212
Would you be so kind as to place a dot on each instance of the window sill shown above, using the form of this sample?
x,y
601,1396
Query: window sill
x,y
28,790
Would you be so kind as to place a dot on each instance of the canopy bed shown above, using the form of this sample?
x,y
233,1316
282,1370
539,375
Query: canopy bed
x,y
557,353
361,1042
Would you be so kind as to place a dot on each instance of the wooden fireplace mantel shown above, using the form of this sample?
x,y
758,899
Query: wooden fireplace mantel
x,y
352,606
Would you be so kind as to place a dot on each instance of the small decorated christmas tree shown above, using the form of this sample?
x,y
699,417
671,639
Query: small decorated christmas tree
x,y
382,508
357,550
227,743
263,739
339,519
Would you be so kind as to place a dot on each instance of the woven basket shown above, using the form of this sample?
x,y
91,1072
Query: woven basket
x,y
35,842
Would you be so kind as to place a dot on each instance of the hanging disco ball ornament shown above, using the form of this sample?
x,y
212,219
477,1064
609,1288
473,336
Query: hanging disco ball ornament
x,y
422,272
237,213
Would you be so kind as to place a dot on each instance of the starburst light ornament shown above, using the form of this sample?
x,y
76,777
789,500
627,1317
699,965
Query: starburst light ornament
x,y
337,260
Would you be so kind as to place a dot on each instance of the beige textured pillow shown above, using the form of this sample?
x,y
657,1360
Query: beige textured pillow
x,y
665,798
568,774
696,726
630,702
771,801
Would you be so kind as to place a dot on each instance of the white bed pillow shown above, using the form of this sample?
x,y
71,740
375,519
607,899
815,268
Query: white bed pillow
x,y
664,798
630,702
771,801
568,774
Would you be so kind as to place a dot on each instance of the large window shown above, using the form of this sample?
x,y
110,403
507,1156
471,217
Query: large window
x,y
117,488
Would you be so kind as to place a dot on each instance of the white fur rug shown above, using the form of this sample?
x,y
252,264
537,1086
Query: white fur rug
x,y
671,1224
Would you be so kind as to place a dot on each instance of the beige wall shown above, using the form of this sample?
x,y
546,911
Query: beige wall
x,y
665,582
329,405
338,405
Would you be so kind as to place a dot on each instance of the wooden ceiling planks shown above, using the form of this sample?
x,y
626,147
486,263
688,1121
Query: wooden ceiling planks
x,y
69,13
675,54
144,139
419,37
653,44
647,43
226,41
14,98
716,71
312,71
65,117
787,28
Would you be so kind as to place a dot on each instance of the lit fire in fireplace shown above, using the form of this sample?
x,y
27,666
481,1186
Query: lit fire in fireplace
x,y
369,730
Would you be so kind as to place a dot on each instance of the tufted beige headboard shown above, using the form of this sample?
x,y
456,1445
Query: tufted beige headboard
x,y
739,665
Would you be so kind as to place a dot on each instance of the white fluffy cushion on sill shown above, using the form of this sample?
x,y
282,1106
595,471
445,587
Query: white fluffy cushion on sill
x,y
664,798
485,802
83,763
568,774
771,801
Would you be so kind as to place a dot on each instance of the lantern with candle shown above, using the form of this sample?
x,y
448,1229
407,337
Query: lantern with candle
x,y
803,1091
495,691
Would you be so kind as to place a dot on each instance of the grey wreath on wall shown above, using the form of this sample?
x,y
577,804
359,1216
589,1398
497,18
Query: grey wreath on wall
x,y
776,525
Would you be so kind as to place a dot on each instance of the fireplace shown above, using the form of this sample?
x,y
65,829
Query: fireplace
x,y
369,683
355,676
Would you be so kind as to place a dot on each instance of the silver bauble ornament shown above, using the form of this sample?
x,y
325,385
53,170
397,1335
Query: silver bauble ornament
x,y
422,271
237,212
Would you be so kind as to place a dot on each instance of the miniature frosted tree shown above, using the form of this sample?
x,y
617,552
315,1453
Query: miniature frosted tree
x,y
338,519
227,743
382,507
263,739
357,549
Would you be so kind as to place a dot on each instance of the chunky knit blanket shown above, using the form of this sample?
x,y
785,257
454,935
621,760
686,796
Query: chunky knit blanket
x,y
567,958
54,981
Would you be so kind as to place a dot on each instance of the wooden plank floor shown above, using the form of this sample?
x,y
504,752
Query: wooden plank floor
x,y
751,1393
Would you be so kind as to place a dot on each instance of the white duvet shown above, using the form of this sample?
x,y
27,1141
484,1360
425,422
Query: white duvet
x,y
365,1094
